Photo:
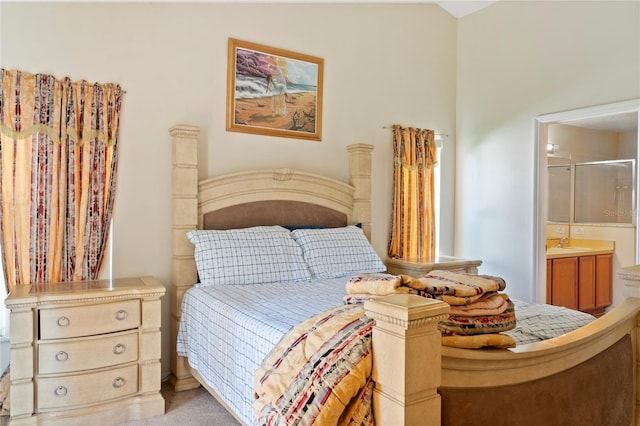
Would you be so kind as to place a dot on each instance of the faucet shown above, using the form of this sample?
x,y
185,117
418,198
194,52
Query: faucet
x,y
562,242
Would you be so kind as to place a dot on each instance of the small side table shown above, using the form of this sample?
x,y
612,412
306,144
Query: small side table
x,y
422,267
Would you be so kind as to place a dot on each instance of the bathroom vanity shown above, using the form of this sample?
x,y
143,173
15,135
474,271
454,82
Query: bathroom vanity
x,y
580,275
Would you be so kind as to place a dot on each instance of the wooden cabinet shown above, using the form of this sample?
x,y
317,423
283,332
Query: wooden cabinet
x,y
587,283
604,281
86,352
582,283
564,282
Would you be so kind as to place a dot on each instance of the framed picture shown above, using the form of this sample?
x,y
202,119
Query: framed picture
x,y
273,92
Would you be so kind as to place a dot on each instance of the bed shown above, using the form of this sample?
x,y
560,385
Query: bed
x,y
586,376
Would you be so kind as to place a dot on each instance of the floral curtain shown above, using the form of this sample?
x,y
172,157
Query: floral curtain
x,y
413,233
58,162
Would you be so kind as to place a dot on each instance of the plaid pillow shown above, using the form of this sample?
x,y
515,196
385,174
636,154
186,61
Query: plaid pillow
x,y
262,254
338,252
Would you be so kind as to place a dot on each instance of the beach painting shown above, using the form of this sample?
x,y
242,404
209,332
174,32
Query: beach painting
x,y
273,92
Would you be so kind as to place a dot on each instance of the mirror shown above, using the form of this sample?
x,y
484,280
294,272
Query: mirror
x,y
559,193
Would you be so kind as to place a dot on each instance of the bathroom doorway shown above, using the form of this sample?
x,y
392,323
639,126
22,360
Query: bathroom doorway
x,y
581,139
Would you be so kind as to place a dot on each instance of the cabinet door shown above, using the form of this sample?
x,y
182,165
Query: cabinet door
x,y
549,281
586,283
565,282
604,272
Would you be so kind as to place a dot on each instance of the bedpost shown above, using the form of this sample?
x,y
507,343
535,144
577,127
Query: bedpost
x,y
184,206
406,359
360,179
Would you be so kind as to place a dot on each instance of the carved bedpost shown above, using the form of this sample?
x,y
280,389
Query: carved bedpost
x,y
360,179
407,357
184,207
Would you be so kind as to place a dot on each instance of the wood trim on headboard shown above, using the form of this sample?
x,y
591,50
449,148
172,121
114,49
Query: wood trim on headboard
x,y
192,199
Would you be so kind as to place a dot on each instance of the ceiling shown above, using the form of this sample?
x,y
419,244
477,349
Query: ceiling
x,y
457,8
460,8
623,122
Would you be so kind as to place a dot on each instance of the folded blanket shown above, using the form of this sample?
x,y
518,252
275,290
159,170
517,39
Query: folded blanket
x,y
377,284
481,324
451,300
455,283
477,309
500,341
488,304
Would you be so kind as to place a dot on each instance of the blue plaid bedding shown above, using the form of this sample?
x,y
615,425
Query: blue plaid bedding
x,y
537,322
226,331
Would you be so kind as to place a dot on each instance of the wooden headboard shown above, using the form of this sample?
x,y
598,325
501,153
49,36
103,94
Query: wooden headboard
x,y
251,198
274,212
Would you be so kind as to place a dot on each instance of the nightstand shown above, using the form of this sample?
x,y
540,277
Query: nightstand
x,y
422,267
86,352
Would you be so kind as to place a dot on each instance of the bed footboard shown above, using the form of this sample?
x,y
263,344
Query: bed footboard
x,y
598,391
587,377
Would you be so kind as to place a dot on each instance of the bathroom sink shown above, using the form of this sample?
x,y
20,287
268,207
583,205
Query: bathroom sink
x,y
566,250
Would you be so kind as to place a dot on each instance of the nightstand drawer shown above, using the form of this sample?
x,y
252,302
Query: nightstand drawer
x,y
78,321
87,353
69,391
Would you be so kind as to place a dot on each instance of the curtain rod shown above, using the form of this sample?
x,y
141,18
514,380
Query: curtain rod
x,y
442,135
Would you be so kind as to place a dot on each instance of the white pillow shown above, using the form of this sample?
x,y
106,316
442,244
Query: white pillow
x,y
338,252
261,254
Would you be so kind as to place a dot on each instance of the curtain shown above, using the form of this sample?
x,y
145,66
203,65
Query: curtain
x,y
58,162
413,233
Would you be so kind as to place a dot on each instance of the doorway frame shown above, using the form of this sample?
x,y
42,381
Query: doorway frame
x,y
542,123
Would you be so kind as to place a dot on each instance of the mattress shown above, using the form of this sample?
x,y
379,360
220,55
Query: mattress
x,y
226,331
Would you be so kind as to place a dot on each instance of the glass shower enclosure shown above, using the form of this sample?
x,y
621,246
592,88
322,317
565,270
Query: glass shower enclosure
x,y
593,192
604,192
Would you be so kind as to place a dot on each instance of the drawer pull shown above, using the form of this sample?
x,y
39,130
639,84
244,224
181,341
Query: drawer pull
x,y
62,356
60,391
119,349
64,322
121,314
119,382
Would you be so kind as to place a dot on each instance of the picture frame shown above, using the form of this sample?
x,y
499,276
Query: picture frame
x,y
273,92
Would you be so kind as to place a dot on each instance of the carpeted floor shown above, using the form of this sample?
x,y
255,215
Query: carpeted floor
x,y
194,407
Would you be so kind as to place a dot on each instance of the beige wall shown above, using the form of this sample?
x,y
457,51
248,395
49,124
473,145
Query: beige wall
x,y
582,145
411,64
384,64
518,60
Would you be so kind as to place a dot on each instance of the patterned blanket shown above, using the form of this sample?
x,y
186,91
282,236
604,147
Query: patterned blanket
x,y
477,308
319,373
455,284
